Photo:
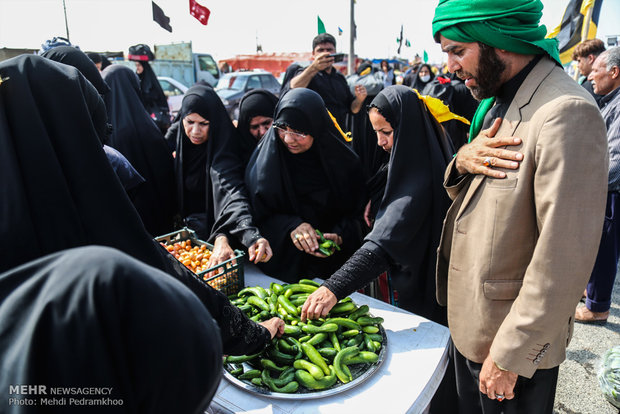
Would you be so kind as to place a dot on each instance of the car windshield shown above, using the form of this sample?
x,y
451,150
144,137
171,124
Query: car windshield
x,y
207,63
236,83
169,89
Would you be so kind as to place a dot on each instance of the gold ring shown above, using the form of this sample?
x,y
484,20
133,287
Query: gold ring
x,y
487,161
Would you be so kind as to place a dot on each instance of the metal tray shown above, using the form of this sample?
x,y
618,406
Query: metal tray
x,y
360,373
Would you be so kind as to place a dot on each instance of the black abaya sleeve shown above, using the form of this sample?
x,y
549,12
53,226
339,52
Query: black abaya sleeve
x,y
366,264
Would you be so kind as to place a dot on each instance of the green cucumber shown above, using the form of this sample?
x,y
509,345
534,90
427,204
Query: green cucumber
x,y
314,357
313,369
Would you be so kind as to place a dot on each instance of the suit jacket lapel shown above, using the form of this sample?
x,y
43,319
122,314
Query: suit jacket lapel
x,y
513,118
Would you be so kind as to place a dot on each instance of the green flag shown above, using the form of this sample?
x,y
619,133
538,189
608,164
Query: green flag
x,y
320,25
425,57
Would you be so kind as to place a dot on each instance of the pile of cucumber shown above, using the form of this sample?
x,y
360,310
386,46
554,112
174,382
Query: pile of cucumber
x,y
314,355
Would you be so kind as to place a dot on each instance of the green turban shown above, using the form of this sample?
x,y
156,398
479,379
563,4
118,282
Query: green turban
x,y
504,24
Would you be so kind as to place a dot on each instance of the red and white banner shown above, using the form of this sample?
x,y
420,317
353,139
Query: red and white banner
x,y
199,12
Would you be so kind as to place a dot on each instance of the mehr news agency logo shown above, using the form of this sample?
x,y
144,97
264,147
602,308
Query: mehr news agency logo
x,y
42,395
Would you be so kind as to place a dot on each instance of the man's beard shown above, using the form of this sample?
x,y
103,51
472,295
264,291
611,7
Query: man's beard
x,y
490,70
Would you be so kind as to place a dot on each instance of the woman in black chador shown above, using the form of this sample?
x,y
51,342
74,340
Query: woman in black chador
x,y
255,117
71,56
420,78
406,232
209,175
135,135
301,178
59,192
153,97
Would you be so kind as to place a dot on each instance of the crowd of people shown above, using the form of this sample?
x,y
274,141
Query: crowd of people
x,y
466,225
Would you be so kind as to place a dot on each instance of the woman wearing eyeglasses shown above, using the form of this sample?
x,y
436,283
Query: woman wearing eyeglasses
x,y
405,236
212,196
303,178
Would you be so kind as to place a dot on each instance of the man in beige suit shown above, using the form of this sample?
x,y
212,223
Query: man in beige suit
x,y
521,236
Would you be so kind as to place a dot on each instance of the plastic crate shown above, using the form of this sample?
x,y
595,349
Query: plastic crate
x,y
229,277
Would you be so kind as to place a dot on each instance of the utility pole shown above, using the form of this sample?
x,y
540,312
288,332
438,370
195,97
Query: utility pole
x,y
66,24
351,65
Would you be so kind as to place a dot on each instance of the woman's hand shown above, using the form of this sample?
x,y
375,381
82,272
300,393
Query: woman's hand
x,y
275,326
305,239
484,153
318,304
260,251
367,216
221,252
329,236
333,237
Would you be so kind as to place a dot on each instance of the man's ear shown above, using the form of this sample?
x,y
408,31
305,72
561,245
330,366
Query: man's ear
x,y
615,72
591,58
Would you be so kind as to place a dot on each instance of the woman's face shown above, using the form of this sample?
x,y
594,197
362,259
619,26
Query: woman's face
x,y
139,68
424,71
296,142
196,128
383,129
259,125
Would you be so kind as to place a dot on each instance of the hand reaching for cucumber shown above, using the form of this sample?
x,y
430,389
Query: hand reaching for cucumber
x,y
318,304
275,326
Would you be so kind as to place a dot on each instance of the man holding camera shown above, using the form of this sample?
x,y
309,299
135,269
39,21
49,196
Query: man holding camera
x,y
324,79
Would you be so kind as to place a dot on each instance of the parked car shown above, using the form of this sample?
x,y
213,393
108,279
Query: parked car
x,y
174,91
232,86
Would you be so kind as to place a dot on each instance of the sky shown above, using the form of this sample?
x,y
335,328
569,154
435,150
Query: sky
x,y
235,27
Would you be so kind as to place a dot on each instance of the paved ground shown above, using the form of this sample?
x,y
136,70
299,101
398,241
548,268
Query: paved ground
x,y
578,389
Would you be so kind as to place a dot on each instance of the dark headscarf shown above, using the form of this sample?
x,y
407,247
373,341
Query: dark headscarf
x,y
105,62
59,190
257,102
94,317
128,175
410,217
137,137
94,56
417,83
78,59
214,169
152,94
323,186
374,159
71,56
289,74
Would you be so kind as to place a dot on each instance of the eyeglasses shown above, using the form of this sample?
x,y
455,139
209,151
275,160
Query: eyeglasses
x,y
283,132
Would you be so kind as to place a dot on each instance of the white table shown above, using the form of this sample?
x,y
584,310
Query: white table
x,y
414,365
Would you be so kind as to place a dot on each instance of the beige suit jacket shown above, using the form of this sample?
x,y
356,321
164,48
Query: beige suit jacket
x,y
516,253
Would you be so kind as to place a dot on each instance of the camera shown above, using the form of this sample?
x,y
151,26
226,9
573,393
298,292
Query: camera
x,y
338,57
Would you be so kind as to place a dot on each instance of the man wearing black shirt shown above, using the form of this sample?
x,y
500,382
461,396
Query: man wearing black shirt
x,y
324,79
